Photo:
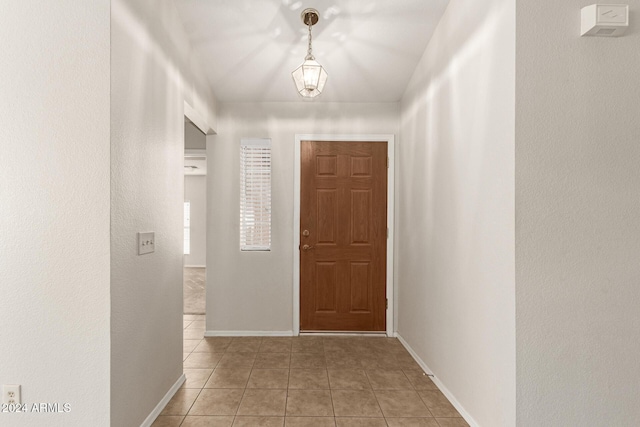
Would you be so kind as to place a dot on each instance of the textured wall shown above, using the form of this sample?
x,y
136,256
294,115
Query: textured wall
x,y
151,77
54,208
253,291
578,228
455,236
195,191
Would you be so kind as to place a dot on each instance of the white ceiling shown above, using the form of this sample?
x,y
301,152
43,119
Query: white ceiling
x,y
369,48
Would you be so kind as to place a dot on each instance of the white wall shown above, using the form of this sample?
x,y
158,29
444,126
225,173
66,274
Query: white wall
x,y
578,228
54,208
152,74
253,291
194,138
455,235
195,192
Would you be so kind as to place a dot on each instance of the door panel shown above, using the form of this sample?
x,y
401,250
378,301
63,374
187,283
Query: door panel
x,y
361,287
361,213
343,223
327,280
327,218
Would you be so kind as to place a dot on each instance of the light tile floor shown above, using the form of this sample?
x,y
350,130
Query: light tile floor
x,y
302,381
194,292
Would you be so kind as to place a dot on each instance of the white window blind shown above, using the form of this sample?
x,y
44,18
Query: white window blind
x,y
187,228
255,195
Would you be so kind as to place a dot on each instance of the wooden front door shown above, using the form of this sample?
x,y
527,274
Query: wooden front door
x,y
343,236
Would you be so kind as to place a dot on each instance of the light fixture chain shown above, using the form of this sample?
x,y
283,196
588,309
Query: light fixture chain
x,y
309,51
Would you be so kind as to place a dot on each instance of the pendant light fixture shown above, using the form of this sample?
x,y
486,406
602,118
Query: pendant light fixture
x,y
310,76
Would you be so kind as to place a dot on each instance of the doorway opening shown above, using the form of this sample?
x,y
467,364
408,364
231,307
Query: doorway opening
x,y
195,220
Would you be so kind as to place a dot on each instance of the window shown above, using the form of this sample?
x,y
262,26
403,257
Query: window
x,y
255,195
187,228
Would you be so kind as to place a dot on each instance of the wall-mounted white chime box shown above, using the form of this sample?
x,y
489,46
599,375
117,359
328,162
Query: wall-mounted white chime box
x,y
605,20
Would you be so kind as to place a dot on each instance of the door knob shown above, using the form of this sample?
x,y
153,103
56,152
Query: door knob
x,y
305,233
307,248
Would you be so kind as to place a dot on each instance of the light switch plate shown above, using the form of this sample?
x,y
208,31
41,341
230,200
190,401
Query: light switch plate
x,y
604,20
146,243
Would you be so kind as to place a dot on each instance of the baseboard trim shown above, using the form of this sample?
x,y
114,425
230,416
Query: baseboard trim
x,y
160,406
468,418
194,266
209,334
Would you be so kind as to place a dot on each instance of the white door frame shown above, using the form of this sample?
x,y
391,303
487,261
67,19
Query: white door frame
x,y
390,140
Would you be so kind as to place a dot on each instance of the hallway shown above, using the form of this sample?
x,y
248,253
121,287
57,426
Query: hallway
x,y
513,238
303,381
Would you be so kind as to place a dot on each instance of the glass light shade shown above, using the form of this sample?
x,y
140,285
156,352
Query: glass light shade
x,y
310,78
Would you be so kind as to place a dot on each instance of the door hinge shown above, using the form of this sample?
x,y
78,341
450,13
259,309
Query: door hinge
x,y
387,162
387,232
387,303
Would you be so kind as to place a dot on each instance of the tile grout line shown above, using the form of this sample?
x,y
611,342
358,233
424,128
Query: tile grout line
x,y
326,367
375,396
421,399
246,384
190,406
286,400
202,388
